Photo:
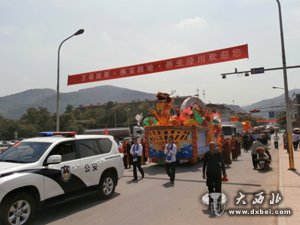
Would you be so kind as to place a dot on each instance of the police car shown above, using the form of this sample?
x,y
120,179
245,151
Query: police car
x,y
41,170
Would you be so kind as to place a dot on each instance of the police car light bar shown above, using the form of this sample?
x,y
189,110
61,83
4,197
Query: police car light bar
x,y
66,133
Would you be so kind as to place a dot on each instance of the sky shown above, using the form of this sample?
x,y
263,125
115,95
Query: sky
x,y
127,32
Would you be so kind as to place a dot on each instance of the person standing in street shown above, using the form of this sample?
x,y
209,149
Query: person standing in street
x,y
295,138
284,138
136,151
123,150
225,147
126,152
246,142
235,148
170,152
276,140
213,168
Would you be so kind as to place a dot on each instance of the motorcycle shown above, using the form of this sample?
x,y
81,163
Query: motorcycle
x,y
263,158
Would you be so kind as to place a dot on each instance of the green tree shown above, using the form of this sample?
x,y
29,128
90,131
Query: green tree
x,y
69,108
68,122
40,118
26,130
7,129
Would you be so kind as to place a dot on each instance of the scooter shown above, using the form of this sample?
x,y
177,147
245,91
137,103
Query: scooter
x,y
263,159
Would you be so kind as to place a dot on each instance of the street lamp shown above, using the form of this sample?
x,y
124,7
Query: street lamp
x,y
57,88
278,88
286,93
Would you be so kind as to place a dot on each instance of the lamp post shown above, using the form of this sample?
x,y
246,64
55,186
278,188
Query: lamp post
x,y
57,88
278,88
286,93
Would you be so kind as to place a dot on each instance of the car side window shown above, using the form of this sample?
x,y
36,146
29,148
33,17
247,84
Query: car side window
x,y
104,145
87,148
66,150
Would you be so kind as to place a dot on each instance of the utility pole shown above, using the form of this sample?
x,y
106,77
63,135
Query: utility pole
x,y
286,94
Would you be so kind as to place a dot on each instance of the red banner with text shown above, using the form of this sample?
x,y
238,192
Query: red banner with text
x,y
217,56
266,121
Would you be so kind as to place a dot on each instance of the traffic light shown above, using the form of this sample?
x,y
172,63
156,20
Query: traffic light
x,y
254,110
257,70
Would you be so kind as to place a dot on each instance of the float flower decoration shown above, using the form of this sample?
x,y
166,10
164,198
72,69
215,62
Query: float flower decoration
x,y
190,114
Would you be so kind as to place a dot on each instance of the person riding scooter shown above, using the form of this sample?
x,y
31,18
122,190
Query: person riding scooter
x,y
254,146
263,158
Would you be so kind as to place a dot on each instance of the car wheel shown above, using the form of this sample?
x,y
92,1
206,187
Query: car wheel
x,y
107,186
18,209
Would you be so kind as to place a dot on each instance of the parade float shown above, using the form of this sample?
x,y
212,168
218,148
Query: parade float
x,y
192,127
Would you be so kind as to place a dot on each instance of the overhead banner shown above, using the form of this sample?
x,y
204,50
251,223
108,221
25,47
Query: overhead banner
x,y
217,56
266,121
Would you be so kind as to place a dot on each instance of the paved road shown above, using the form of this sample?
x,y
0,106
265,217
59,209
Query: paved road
x,y
153,201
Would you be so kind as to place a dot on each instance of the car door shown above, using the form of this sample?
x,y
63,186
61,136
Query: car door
x,y
64,177
92,159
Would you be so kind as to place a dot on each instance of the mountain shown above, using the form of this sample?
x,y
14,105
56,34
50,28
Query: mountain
x,y
236,108
14,106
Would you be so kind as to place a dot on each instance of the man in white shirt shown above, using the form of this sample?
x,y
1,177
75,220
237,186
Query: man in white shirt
x,y
170,152
136,151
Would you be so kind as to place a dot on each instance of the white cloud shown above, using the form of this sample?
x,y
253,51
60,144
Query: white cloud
x,y
253,2
105,36
296,13
192,23
6,30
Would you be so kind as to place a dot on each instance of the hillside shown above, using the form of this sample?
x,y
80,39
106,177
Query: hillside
x,y
276,104
13,106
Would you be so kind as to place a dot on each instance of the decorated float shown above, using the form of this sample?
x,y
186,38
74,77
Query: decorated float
x,y
192,127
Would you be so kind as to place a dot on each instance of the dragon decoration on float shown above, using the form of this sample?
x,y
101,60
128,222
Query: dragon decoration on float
x,y
192,112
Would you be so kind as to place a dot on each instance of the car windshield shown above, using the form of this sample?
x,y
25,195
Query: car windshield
x,y
227,130
24,152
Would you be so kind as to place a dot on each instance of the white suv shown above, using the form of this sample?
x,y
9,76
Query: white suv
x,y
41,170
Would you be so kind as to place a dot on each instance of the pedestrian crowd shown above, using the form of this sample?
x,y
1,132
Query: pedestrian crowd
x,y
229,149
220,155
295,139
